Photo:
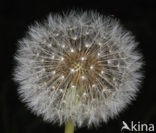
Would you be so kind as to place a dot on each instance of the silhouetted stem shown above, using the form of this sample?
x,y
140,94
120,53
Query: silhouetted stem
x,y
69,127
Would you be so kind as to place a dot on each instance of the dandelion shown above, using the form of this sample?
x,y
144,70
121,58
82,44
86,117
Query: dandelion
x,y
80,69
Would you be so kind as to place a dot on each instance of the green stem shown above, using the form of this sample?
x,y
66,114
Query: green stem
x,y
69,127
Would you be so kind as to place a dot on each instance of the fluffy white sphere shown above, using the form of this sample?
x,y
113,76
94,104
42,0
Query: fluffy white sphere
x,y
80,66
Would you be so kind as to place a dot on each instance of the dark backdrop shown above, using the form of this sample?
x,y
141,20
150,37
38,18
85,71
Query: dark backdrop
x,y
15,15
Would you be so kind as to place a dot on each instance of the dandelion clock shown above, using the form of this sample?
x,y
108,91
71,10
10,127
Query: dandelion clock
x,y
77,69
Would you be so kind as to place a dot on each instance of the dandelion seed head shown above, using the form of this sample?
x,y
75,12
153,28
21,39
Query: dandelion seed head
x,y
90,78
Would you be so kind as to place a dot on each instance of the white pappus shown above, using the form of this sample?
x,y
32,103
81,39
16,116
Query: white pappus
x,y
81,66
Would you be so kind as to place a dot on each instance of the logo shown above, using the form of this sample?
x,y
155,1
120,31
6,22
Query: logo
x,y
137,126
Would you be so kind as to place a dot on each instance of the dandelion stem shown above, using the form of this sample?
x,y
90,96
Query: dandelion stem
x,y
69,127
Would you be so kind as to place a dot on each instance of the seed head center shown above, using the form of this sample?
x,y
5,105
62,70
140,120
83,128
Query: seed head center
x,y
81,68
78,66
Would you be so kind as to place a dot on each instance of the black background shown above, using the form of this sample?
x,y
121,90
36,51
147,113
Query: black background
x,y
137,16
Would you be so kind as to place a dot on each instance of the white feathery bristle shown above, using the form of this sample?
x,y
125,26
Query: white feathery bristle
x,y
81,66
